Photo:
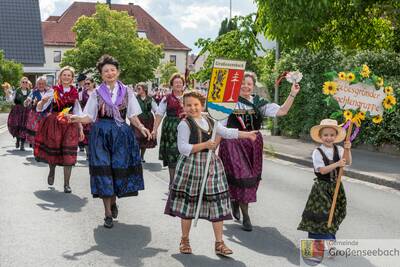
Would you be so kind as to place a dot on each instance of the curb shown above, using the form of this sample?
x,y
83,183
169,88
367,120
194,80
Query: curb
x,y
359,175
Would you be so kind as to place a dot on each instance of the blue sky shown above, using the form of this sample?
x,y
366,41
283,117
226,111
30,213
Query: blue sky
x,y
187,20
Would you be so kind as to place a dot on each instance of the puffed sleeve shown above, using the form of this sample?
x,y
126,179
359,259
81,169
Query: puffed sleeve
x,y
50,94
318,161
227,133
133,105
183,139
270,109
162,107
77,110
340,151
154,106
92,107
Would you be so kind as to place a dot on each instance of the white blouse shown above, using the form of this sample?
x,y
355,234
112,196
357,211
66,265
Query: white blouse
x,y
12,93
154,106
162,106
318,161
92,106
77,110
80,94
268,110
184,134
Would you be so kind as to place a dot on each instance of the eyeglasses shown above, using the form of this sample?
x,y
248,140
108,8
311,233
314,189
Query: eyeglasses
x,y
24,82
87,83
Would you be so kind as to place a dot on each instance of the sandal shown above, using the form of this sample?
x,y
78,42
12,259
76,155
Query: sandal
x,y
184,246
222,249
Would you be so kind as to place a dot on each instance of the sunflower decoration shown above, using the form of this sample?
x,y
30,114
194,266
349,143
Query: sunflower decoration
x,y
360,76
388,90
350,77
361,115
329,88
358,118
342,76
379,82
348,115
365,71
389,102
377,119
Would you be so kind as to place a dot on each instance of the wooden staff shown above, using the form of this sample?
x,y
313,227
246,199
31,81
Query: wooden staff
x,y
205,175
339,179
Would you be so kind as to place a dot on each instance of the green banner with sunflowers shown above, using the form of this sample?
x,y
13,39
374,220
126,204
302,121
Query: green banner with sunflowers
x,y
359,96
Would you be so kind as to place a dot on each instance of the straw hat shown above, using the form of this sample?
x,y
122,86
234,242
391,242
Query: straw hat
x,y
327,123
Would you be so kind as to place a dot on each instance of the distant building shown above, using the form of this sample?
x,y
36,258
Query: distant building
x,y
58,36
21,35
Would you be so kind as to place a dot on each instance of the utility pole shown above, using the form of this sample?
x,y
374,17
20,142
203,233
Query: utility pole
x,y
276,95
230,9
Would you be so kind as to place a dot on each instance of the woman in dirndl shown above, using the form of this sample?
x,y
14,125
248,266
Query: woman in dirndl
x,y
148,107
35,117
89,86
194,142
114,159
19,113
171,106
56,141
243,159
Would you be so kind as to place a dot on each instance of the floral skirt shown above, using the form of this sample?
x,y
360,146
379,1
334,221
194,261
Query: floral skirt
x,y
316,213
32,124
242,161
185,189
17,121
143,142
114,160
169,152
56,142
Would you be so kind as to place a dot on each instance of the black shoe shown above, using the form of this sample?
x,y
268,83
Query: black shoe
x,y
67,189
108,222
143,161
235,210
17,144
50,180
247,224
22,148
114,211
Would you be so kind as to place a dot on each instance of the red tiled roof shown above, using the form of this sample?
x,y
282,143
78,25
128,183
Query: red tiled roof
x,y
57,29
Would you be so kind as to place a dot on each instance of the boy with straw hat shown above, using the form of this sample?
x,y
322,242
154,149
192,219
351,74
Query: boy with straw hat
x,y
327,159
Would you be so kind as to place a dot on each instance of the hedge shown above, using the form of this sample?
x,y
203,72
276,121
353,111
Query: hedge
x,y
309,108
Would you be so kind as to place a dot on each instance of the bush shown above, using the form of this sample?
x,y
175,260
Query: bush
x,y
5,106
309,108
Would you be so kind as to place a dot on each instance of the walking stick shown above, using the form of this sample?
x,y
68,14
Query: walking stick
x,y
339,179
205,175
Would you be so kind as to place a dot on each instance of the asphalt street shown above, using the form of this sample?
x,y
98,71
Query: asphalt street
x,y
42,226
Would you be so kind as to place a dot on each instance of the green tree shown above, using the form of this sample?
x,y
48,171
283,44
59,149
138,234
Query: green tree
x,y
240,44
10,71
114,33
322,24
166,70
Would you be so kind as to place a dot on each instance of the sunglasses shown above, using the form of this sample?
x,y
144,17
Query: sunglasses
x,y
24,82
